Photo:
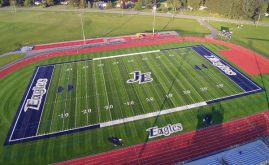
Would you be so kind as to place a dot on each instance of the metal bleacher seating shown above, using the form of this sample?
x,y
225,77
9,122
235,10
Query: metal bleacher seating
x,y
253,153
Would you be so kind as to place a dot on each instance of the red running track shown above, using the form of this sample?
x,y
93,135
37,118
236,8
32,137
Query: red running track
x,y
258,67
184,146
249,61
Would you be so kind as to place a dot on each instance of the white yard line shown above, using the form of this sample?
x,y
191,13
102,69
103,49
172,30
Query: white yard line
x,y
96,94
154,89
106,94
78,67
66,96
86,83
186,80
59,79
126,93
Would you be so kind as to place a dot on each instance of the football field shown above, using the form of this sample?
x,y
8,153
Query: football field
x,y
112,90
101,93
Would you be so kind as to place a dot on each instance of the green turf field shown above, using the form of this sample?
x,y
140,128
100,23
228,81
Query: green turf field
x,y
101,93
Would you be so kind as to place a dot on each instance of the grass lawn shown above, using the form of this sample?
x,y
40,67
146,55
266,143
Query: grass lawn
x,y
75,145
250,36
9,58
32,27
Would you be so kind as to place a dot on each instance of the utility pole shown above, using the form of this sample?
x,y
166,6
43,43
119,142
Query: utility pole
x,y
154,15
82,27
14,6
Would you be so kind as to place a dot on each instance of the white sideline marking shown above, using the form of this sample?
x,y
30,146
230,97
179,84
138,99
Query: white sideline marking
x,y
129,119
152,114
130,54
23,105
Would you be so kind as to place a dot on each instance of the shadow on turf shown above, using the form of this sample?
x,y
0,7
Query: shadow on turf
x,y
140,153
261,75
118,27
258,39
216,111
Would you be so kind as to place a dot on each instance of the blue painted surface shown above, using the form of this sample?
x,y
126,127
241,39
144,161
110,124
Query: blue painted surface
x,y
197,67
70,87
60,89
26,122
204,66
240,79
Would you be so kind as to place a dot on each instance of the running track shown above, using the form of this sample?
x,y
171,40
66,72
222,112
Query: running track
x,y
184,146
251,62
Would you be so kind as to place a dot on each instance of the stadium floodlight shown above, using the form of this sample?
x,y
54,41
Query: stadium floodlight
x,y
82,27
154,15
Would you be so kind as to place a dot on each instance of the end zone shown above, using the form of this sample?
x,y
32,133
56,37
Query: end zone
x,y
30,109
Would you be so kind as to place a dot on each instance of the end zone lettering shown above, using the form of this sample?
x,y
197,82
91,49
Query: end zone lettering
x,y
216,62
164,131
38,91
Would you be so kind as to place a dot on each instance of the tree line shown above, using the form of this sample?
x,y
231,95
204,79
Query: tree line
x,y
235,9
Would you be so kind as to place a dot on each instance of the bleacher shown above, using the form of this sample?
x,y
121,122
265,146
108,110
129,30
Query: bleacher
x,y
253,153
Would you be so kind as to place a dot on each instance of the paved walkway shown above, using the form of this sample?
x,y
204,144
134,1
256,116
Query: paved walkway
x,y
214,31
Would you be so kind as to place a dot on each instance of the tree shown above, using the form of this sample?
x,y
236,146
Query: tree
x,y
28,3
254,8
109,5
50,2
74,3
1,3
138,5
16,2
175,5
82,4
195,4
236,11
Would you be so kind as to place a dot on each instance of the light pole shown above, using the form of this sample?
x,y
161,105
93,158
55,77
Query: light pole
x,y
82,27
14,6
154,15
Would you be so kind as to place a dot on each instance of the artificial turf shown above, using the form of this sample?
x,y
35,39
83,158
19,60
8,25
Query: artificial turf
x,y
75,145
101,93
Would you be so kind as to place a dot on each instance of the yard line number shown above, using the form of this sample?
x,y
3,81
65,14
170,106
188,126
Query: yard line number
x,y
64,115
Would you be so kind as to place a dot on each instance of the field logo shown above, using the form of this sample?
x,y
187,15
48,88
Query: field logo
x,y
38,91
216,62
140,77
164,131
